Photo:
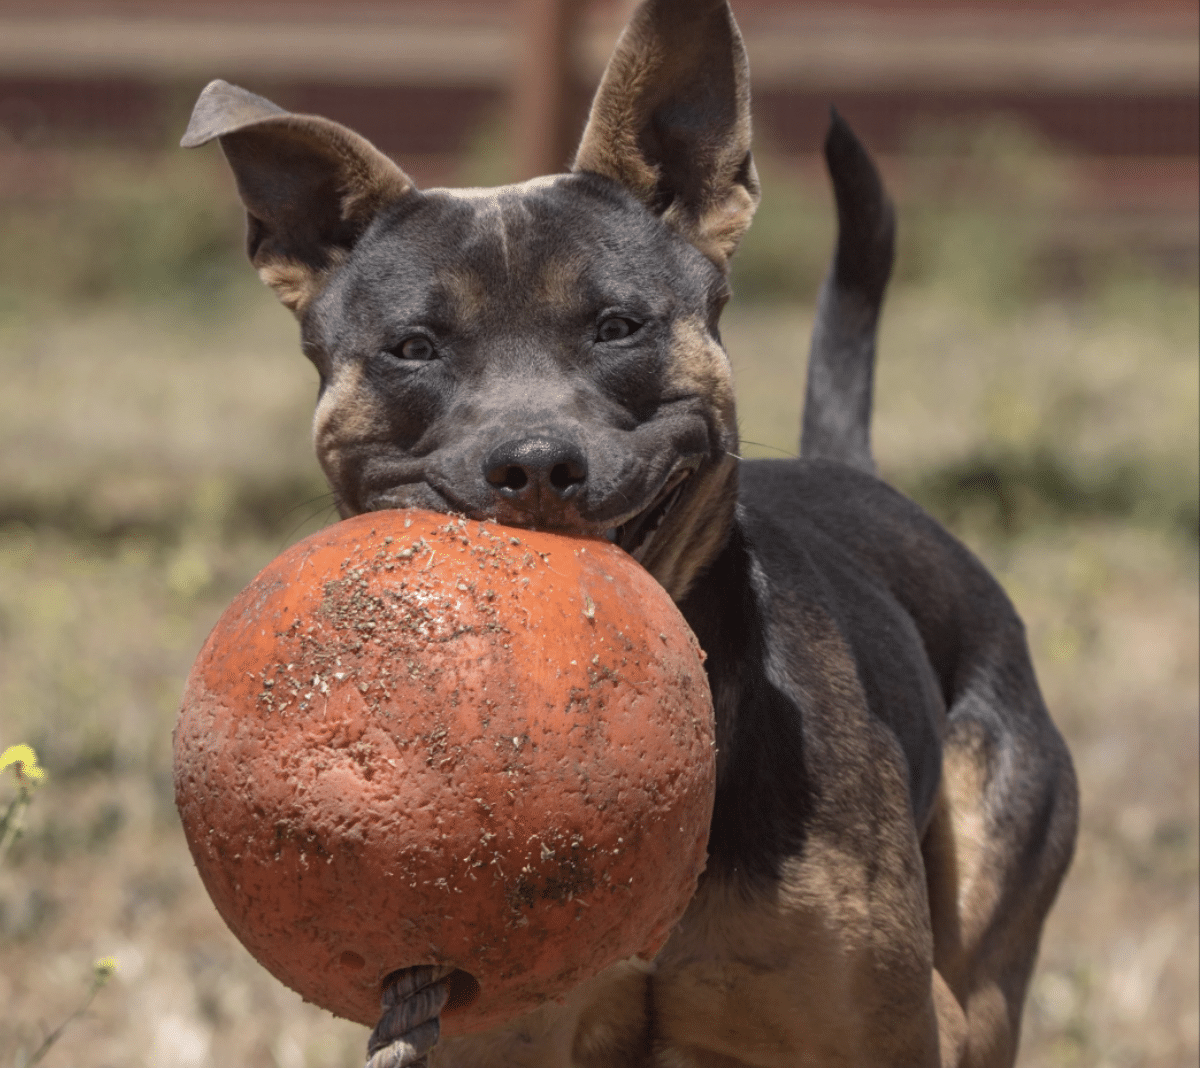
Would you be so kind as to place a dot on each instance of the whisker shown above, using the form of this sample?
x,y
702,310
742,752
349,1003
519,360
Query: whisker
x,y
327,496
770,448
324,512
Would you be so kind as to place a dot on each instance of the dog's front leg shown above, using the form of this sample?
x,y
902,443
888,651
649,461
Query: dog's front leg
x,y
408,1029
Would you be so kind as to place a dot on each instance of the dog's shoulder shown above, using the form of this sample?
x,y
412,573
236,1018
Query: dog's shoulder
x,y
854,578
928,631
848,523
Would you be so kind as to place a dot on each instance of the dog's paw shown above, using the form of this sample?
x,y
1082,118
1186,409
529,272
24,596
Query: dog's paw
x,y
408,1029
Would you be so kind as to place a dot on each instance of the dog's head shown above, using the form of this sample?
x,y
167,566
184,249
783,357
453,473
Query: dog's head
x,y
545,354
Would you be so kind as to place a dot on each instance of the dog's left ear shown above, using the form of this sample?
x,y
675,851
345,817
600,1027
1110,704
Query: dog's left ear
x,y
671,121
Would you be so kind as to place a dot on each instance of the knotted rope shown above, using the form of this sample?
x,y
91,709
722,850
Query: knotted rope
x,y
408,1029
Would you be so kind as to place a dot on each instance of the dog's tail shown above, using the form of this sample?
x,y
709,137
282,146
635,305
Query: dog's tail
x,y
838,403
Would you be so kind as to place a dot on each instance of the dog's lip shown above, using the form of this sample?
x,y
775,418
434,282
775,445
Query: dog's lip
x,y
632,532
635,532
419,492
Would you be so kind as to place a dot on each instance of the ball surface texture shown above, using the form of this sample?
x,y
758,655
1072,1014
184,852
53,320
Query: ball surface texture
x,y
419,739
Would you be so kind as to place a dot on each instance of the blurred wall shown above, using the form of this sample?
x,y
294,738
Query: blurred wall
x,y
1113,77
1114,82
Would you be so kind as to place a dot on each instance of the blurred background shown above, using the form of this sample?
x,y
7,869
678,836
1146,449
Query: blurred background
x,y
1038,391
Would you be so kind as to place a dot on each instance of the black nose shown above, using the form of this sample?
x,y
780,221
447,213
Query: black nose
x,y
529,469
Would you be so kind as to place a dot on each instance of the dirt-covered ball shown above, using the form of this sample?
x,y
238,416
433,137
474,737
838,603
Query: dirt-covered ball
x,y
420,739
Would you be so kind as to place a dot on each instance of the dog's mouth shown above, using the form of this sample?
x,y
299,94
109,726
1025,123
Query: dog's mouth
x,y
635,534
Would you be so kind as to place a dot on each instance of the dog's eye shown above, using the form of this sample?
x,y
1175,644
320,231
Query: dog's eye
x,y
616,328
414,348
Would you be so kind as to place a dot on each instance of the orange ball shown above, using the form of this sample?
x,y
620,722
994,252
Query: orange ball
x,y
419,739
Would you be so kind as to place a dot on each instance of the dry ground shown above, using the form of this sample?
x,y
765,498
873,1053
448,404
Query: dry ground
x,y
149,459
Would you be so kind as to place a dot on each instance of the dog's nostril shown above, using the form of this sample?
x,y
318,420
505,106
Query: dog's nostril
x,y
512,477
508,476
567,474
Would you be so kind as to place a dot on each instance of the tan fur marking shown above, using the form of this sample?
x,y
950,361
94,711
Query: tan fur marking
x,y
558,284
700,366
610,142
721,226
294,284
790,975
964,779
695,530
344,416
943,891
297,285
468,294
983,962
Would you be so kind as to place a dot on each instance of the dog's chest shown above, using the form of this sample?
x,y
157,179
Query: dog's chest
x,y
783,973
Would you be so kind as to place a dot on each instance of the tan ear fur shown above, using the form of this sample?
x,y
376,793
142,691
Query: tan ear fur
x,y
671,122
310,186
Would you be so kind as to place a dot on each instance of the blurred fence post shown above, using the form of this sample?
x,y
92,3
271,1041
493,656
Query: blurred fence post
x,y
545,85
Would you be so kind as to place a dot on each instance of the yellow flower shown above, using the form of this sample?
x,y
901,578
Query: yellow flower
x,y
26,762
104,968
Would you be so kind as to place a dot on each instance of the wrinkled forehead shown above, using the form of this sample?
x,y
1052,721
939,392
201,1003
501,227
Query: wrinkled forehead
x,y
567,241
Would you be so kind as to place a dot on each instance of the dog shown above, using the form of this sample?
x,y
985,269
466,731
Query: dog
x,y
895,809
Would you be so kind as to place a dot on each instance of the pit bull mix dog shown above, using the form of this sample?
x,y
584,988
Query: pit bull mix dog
x,y
895,809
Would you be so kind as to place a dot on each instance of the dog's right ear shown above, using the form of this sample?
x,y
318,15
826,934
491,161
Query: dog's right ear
x,y
310,186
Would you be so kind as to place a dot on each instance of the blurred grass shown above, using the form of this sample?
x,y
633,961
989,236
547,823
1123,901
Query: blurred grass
x,y
81,227
154,455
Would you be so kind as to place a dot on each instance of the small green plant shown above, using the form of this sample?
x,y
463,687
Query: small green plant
x,y
29,776
102,971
